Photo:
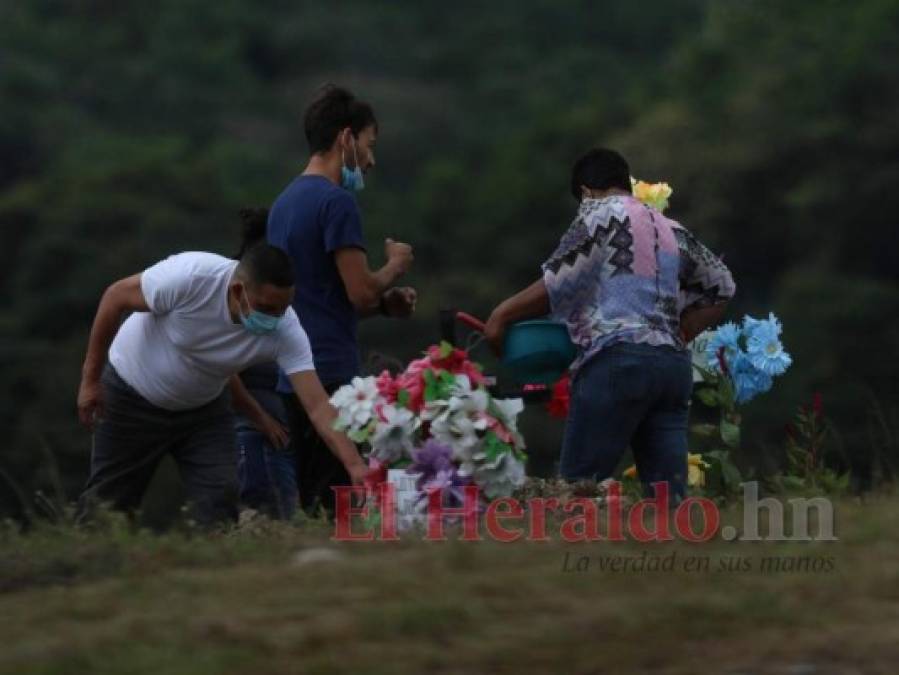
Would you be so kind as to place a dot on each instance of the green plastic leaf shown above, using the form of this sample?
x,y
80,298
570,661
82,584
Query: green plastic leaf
x,y
402,398
494,447
708,396
372,521
357,436
431,386
723,466
704,430
731,474
730,433
726,393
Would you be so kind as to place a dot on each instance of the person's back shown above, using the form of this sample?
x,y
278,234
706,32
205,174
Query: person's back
x,y
620,273
312,219
632,287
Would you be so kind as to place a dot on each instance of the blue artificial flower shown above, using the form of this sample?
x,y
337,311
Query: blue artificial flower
x,y
750,324
748,380
763,346
727,336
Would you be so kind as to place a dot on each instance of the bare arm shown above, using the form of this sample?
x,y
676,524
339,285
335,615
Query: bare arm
x,y
122,296
365,287
530,303
322,414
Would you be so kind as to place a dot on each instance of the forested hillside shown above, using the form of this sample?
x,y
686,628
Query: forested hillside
x,y
132,130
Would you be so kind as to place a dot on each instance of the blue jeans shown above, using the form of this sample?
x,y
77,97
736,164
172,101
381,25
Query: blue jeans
x,y
267,475
633,395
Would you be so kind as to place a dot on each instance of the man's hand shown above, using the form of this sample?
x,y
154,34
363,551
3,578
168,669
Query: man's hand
x,y
399,303
357,472
90,401
398,254
530,303
276,433
125,295
322,414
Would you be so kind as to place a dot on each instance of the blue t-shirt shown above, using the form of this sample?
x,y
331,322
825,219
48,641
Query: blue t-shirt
x,y
311,219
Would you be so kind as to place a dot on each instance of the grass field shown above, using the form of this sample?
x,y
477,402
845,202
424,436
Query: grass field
x,y
274,598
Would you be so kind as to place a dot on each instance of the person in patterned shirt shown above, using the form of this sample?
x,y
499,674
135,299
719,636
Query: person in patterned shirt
x,y
633,287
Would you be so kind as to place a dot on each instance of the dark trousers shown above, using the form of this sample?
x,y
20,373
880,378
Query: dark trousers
x,y
632,395
267,475
132,437
318,470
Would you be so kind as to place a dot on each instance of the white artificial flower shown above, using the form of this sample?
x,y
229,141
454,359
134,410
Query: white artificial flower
x,y
461,432
500,477
394,437
463,399
508,410
698,355
355,402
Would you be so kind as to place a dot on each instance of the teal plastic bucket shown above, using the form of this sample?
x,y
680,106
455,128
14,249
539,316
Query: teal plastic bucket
x,y
538,352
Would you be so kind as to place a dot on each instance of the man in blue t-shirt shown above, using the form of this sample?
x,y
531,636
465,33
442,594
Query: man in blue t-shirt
x,y
317,221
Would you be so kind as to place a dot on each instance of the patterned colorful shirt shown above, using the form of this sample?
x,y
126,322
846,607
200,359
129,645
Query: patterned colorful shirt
x,y
623,272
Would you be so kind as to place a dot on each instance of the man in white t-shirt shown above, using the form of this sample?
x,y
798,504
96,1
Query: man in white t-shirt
x,y
198,320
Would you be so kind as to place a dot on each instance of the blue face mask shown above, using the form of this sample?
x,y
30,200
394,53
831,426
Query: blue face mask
x,y
258,323
352,179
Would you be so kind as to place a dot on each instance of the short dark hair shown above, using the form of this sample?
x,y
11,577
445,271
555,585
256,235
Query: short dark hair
x,y
266,264
600,169
333,110
253,222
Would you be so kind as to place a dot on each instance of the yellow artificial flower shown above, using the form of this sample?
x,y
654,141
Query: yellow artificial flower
x,y
695,470
652,194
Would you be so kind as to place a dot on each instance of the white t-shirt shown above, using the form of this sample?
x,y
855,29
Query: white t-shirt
x,y
180,354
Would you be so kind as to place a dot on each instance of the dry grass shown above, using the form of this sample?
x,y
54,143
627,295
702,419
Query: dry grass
x,y
116,602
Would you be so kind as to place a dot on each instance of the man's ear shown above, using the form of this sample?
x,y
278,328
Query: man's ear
x,y
346,135
237,288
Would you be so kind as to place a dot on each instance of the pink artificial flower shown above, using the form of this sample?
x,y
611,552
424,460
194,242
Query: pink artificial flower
x,y
387,386
457,363
498,428
413,382
377,474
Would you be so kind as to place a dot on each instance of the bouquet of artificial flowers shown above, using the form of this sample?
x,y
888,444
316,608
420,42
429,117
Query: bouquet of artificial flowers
x,y
437,420
746,357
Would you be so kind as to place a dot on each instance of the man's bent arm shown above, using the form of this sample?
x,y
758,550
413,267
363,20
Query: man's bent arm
x,y
530,303
322,414
364,287
124,295
694,320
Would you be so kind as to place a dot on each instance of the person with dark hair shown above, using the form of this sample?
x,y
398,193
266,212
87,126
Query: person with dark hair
x,y
633,287
317,221
197,320
266,466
